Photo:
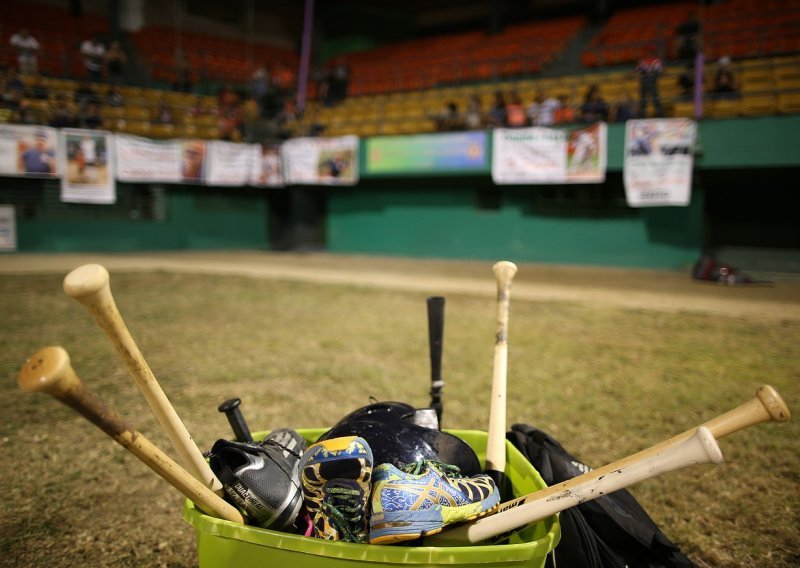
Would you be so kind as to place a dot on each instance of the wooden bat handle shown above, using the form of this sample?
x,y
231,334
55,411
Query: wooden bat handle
x,y
699,448
89,285
504,272
49,371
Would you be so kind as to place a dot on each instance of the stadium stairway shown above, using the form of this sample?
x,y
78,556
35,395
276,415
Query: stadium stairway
x,y
569,61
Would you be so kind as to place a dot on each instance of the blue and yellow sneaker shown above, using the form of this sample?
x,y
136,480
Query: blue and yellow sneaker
x,y
423,497
336,476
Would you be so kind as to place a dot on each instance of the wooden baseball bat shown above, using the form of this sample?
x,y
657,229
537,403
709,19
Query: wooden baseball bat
x,y
766,406
89,285
699,448
49,371
504,272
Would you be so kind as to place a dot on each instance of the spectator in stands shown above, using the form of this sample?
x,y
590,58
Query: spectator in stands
x,y
686,83
27,49
115,60
90,116
541,111
14,83
197,108
473,118
564,114
10,98
449,119
516,117
497,113
623,108
688,37
649,68
230,123
259,89
594,107
724,85
93,52
114,97
337,83
61,113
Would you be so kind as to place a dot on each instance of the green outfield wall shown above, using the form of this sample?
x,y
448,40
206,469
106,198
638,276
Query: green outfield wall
x,y
455,214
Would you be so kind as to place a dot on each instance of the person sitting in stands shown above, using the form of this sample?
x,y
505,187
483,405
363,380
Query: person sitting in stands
x,y
473,118
724,85
497,114
515,112
61,114
27,48
114,98
542,110
594,107
115,60
90,117
686,83
624,108
564,114
449,119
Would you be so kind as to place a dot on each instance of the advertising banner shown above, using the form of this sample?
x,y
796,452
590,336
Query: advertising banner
x,y
321,161
29,151
267,168
8,228
229,163
145,160
539,155
87,160
451,152
659,157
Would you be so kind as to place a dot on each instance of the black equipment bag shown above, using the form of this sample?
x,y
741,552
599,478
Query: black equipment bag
x,y
612,531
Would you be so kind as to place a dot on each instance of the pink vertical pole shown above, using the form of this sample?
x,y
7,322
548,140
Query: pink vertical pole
x,y
699,61
305,55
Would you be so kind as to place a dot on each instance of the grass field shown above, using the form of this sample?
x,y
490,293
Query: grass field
x,y
604,381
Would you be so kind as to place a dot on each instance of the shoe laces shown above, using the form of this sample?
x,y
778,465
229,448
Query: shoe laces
x,y
420,466
345,509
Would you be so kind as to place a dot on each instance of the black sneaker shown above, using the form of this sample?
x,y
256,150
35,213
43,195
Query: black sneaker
x,y
262,479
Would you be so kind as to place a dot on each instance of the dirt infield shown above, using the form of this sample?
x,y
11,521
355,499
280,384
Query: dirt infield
x,y
630,288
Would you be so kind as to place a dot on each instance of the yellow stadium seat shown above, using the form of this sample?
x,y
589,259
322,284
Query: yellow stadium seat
x,y
757,80
789,83
758,105
684,109
138,113
113,112
789,103
723,108
131,92
138,127
163,130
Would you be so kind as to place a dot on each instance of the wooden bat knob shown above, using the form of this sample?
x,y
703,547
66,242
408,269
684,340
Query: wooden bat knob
x,y
85,281
49,371
773,403
504,271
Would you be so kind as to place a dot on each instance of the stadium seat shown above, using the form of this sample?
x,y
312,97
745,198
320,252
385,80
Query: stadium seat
x,y
723,108
789,103
684,109
758,105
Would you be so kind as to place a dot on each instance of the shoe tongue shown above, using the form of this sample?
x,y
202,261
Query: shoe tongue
x,y
340,469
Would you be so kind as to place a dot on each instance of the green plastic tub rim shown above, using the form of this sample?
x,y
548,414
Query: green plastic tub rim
x,y
537,540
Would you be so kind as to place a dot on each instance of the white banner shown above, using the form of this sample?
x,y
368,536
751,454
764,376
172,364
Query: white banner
x,y
145,160
87,160
8,228
540,155
28,151
229,163
659,157
267,169
321,161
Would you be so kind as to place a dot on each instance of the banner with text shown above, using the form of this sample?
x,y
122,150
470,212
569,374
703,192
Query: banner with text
x,y
29,151
659,157
8,227
540,155
321,161
87,160
267,168
145,160
229,163
446,152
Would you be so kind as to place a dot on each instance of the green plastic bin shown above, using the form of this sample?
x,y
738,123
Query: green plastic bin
x,y
221,544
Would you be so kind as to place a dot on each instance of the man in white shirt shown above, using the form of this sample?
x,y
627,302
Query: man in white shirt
x,y
27,47
93,52
541,110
